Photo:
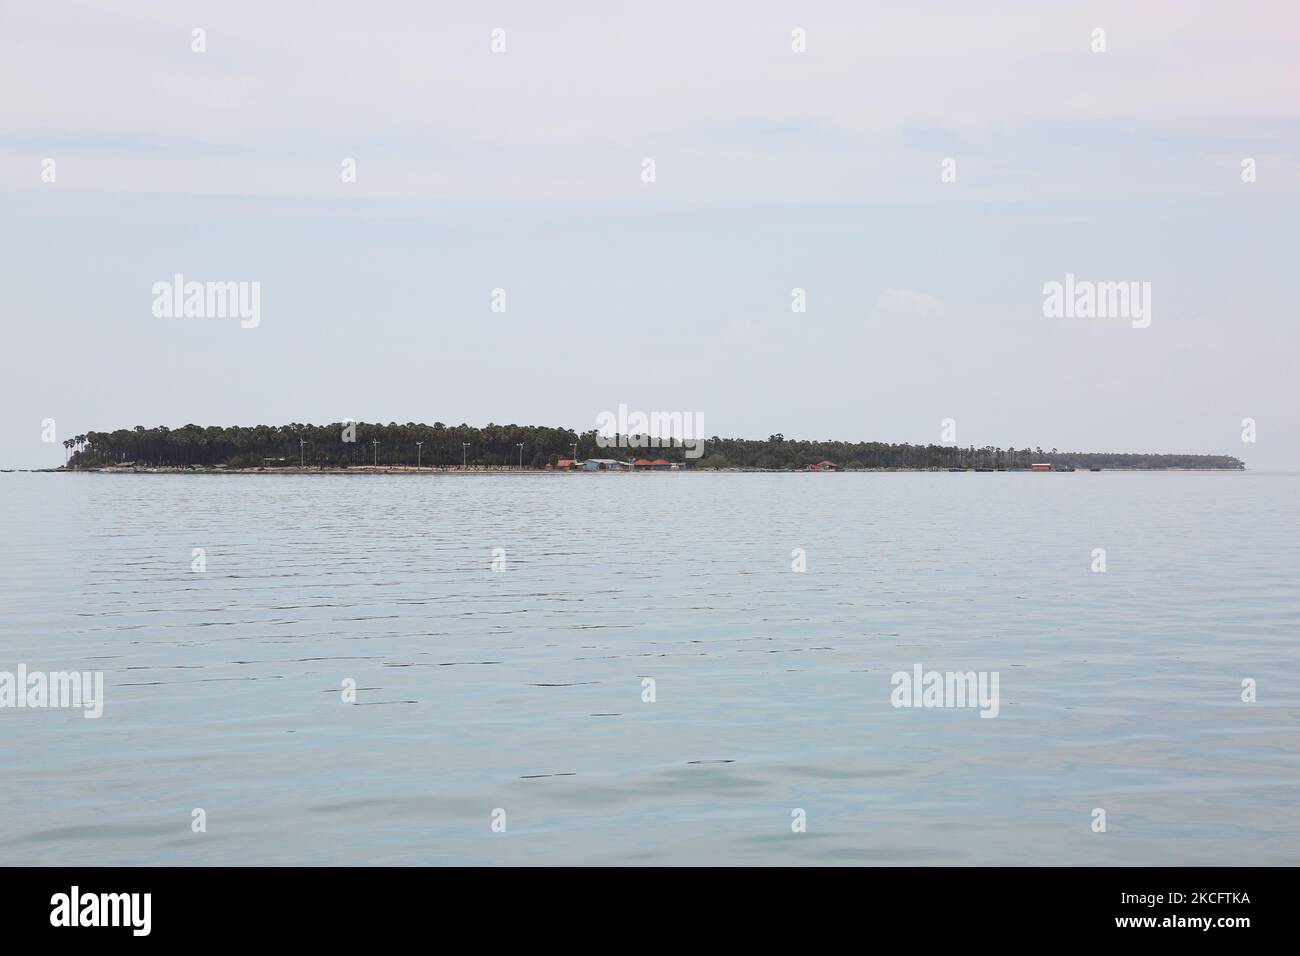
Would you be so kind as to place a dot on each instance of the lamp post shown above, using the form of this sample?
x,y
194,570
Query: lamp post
x,y
575,452
464,448
521,455
417,454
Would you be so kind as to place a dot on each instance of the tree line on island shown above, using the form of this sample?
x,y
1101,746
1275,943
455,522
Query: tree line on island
x,y
536,447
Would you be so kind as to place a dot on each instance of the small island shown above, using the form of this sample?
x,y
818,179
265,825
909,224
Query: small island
x,y
360,447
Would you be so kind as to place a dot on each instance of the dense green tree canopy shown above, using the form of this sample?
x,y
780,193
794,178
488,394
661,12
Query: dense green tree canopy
x,y
328,446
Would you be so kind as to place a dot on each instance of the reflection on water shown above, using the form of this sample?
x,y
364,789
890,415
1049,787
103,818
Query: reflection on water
x,y
525,689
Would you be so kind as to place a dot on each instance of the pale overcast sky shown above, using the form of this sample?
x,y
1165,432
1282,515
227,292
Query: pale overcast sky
x,y
775,170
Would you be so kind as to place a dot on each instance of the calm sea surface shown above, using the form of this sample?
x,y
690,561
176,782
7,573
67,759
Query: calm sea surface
x,y
522,689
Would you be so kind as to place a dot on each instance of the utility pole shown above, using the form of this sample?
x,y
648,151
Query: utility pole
x,y
417,454
375,442
575,452
521,456
301,443
464,447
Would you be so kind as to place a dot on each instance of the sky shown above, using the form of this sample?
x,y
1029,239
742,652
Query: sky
x,y
920,170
